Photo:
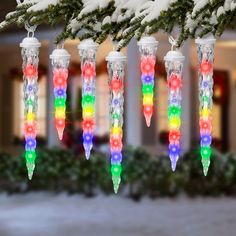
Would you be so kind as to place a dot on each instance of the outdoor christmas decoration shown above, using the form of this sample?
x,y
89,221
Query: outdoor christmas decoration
x,y
30,51
206,58
87,51
174,65
60,62
116,70
148,49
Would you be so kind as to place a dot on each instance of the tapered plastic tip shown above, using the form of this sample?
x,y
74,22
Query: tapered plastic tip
x,y
87,154
148,120
60,133
116,183
30,169
205,164
173,166
87,149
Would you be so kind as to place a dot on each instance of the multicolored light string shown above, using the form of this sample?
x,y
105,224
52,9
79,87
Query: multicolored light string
x,y
148,49
206,58
116,69
87,51
30,52
60,62
174,64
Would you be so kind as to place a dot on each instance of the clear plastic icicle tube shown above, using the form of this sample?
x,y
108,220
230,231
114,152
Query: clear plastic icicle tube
x,y
174,65
116,70
148,49
87,51
60,62
206,58
30,52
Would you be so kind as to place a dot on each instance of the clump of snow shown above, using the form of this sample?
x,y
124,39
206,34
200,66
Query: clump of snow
x,y
220,11
198,5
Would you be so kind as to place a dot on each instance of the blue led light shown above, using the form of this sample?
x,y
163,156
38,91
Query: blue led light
x,y
87,137
174,150
206,140
60,92
147,79
30,143
116,158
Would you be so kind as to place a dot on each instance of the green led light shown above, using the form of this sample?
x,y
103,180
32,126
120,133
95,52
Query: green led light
x,y
206,152
205,99
60,102
116,170
30,102
147,88
115,116
30,156
174,111
88,99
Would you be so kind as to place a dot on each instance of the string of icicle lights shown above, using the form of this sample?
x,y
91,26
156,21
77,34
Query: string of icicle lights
x,y
174,62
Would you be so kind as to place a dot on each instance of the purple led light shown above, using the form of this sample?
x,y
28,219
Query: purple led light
x,y
116,158
30,143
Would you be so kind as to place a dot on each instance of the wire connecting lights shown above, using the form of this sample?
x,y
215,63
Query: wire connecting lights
x,y
87,51
30,51
116,70
60,62
148,49
206,58
174,64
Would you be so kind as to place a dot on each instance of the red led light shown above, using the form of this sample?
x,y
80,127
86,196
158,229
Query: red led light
x,y
60,123
205,125
30,130
88,70
60,81
174,136
116,143
174,82
148,65
147,110
88,125
30,71
206,67
116,85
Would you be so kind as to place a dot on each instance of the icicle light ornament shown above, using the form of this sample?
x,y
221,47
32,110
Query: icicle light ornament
x,y
60,62
87,51
174,65
30,52
206,58
148,49
116,70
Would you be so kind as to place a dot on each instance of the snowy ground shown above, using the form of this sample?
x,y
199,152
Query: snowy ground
x,y
43,214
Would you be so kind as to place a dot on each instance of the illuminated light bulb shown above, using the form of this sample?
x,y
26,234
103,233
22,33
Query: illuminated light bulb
x,y
205,125
88,112
116,85
87,143
206,140
88,99
174,136
148,99
30,71
60,126
60,113
30,157
174,122
205,113
88,70
147,79
148,111
147,88
115,116
116,158
116,143
60,81
88,125
174,82
116,131
148,65
60,92
30,130
30,117
206,155
60,102
30,144
206,152
174,111
206,67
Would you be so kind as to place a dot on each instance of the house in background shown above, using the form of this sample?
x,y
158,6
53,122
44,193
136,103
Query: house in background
x,y
135,131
